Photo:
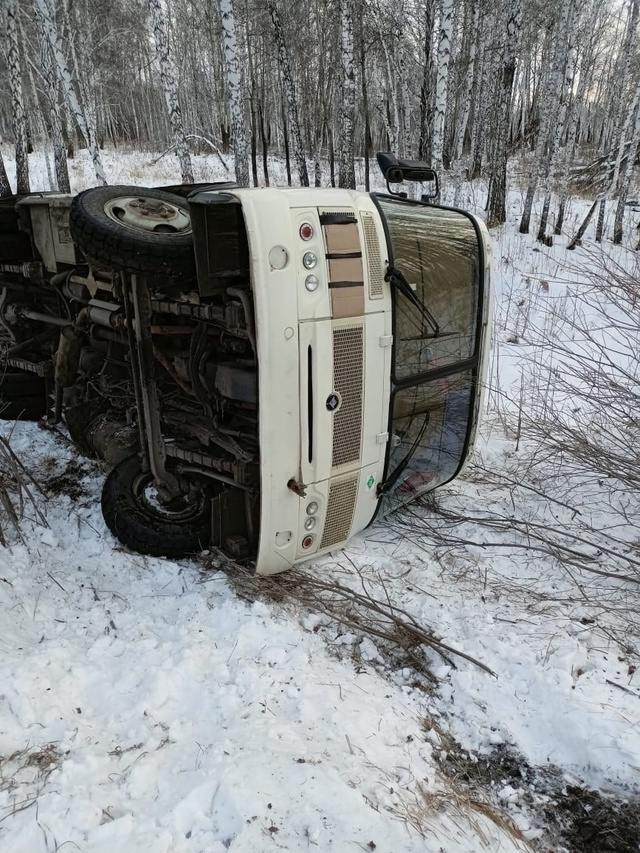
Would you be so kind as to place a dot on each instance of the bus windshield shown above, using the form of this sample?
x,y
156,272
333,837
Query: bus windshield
x,y
437,253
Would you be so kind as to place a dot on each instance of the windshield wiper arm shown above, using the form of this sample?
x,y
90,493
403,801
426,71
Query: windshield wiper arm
x,y
396,278
393,478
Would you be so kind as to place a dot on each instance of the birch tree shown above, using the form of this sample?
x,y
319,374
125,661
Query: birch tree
x,y
624,164
498,186
625,61
169,80
289,93
442,81
470,76
17,100
235,92
346,171
52,37
55,124
5,186
566,58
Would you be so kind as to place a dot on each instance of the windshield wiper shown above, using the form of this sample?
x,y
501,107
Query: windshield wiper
x,y
397,279
392,479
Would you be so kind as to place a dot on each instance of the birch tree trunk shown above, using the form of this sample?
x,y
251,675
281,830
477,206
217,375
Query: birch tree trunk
x,y
586,76
442,81
235,92
426,95
52,37
627,55
346,171
566,58
624,167
169,78
55,125
17,101
461,129
289,93
550,98
498,185
5,186
483,99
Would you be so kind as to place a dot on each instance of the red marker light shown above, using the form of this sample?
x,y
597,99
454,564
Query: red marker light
x,y
306,231
307,542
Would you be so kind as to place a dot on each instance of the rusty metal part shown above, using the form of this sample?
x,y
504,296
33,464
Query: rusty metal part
x,y
143,363
111,439
135,378
67,357
162,359
297,487
39,317
213,313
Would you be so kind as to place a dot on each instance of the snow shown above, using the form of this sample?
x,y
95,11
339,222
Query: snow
x,y
184,717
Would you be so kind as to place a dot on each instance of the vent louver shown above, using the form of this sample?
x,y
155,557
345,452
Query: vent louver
x,y
340,508
375,272
348,372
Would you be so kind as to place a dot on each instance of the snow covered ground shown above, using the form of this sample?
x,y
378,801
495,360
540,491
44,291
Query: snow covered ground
x,y
144,706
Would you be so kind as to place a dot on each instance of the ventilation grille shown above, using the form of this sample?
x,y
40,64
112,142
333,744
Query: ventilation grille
x,y
337,211
374,262
347,382
340,507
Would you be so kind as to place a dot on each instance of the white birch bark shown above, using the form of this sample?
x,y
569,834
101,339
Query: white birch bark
x,y
461,129
620,123
235,92
498,187
52,37
483,93
548,112
290,94
55,124
5,186
169,79
624,162
575,116
442,82
567,58
346,170
17,100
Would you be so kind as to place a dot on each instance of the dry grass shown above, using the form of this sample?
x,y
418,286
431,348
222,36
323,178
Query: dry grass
x,y
18,490
24,774
363,605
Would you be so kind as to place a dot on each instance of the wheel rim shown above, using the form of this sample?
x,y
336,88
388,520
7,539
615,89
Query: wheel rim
x,y
180,509
151,215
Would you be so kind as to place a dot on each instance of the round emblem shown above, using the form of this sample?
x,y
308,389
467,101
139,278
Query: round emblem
x,y
333,401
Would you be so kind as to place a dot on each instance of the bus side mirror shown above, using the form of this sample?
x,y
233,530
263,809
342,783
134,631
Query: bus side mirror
x,y
397,171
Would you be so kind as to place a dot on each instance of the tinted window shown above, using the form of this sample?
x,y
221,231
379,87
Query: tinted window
x,y
429,421
437,252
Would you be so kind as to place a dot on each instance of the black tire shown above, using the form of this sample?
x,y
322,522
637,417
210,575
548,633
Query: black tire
x,y
109,244
23,396
139,527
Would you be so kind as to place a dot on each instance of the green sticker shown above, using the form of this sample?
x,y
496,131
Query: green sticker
x,y
371,481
